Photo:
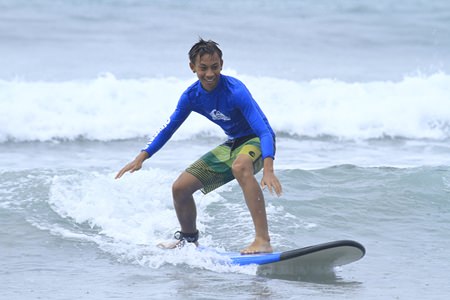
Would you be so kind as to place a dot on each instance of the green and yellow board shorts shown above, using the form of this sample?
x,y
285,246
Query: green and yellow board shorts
x,y
213,169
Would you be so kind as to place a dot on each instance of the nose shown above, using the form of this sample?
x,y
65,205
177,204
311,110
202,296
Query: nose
x,y
209,73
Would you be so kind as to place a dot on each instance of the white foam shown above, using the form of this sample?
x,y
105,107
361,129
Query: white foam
x,y
108,108
131,215
135,209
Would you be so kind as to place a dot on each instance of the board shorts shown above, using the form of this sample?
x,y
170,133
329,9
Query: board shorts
x,y
213,169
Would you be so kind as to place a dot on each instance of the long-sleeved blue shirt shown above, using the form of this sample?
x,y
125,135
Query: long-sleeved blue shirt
x,y
230,105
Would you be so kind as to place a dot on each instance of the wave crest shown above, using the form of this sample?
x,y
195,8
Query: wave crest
x,y
107,108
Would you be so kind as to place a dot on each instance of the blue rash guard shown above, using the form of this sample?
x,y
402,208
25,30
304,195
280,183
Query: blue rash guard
x,y
230,105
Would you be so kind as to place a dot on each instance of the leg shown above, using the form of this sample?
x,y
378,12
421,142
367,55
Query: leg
x,y
243,172
183,201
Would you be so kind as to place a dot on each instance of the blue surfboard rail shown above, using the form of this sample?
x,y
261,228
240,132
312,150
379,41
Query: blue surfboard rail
x,y
237,258
259,259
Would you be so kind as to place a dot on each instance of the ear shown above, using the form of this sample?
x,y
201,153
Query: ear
x,y
192,66
221,64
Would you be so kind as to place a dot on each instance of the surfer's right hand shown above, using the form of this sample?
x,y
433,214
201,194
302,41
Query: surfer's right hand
x,y
133,166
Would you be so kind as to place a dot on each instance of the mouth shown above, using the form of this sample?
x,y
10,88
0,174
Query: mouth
x,y
210,83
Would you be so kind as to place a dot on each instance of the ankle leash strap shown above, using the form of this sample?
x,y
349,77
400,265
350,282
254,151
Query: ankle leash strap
x,y
188,237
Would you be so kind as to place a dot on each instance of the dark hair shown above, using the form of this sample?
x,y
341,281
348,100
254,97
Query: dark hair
x,y
203,47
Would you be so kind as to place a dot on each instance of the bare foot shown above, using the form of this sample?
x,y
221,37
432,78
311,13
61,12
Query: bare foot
x,y
258,246
169,245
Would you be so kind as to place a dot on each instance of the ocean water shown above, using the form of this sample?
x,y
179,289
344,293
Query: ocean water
x,y
358,93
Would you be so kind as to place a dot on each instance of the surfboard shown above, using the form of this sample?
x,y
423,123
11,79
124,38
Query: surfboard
x,y
321,257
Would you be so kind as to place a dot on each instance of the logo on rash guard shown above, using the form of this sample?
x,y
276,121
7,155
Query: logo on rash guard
x,y
159,130
217,115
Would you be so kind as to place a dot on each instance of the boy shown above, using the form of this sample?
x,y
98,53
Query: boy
x,y
250,146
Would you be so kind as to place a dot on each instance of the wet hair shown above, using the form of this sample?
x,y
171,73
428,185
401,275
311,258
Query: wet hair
x,y
203,47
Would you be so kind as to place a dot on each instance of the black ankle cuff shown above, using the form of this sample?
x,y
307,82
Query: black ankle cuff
x,y
188,237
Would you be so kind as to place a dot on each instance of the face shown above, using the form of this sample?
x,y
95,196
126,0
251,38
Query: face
x,y
208,69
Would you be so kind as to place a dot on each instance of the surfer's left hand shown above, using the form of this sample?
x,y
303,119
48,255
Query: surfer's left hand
x,y
271,181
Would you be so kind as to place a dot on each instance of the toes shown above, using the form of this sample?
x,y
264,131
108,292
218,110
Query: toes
x,y
247,251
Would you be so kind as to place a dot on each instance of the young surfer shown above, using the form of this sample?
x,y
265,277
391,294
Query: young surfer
x,y
250,146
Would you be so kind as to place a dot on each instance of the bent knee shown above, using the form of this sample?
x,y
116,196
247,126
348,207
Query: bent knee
x,y
178,188
242,168
186,184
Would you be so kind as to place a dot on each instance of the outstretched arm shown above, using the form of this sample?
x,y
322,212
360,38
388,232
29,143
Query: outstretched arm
x,y
269,179
134,165
161,137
